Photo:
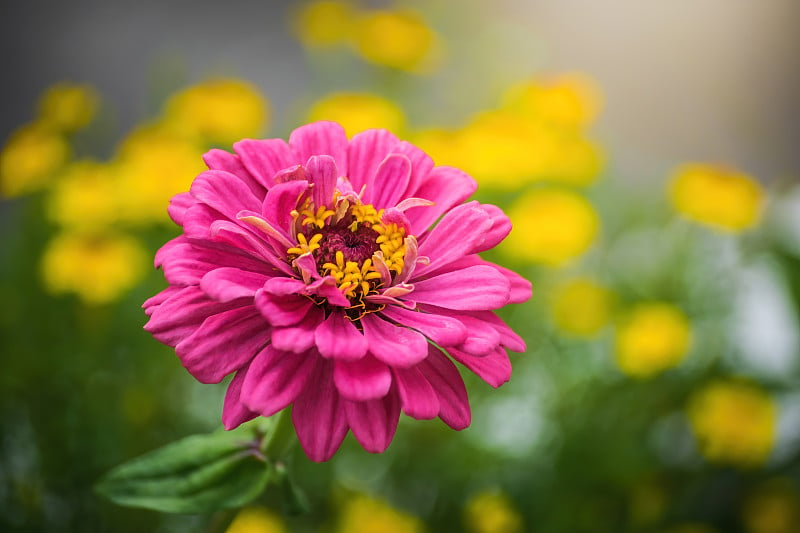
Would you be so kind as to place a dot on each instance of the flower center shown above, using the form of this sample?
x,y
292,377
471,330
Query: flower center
x,y
351,243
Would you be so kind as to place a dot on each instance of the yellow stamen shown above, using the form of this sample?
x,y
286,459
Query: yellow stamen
x,y
305,246
317,218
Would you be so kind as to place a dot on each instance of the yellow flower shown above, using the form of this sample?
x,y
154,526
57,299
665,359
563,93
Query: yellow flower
x,y
359,111
569,100
734,422
363,514
397,39
99,268
256,520
324,24
219,111
651,339
503,151
721,197
153,165
67,107
30,159
574,161
84,196
491,512
773,508
551,226
581,307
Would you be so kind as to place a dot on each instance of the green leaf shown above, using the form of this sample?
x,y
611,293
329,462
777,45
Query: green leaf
x,y
198,474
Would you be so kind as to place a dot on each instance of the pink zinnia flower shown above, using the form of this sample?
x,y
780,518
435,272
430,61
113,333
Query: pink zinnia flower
x,y
314,271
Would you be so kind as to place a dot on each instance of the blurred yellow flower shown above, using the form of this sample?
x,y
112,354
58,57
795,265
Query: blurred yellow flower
x,y
67,107
734,422
581,307
773,508
721,197
492,512
256,520
551,226
362,514
84,196
359,111
571,100
154,164
502,151
99,268
219,111
398,39
324,24
30,159
652,338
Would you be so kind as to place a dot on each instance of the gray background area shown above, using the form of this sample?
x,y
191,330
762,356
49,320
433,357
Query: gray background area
x,y
684,80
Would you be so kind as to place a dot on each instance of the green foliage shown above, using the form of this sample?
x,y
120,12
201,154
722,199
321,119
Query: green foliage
x,y
197,474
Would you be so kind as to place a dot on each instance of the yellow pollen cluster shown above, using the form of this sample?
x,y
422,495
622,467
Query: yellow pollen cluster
x,y
365,214
304,245
317,218
391,240
355,279
349,276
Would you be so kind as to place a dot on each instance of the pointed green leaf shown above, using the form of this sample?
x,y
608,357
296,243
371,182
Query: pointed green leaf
x,y
198,474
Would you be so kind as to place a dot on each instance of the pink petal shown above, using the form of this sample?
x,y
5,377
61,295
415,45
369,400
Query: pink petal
x,y
152,303
279,203
227,283
417,397
319,417
479,287
320,138
442,330
362,379
244,240
521,290
223,343
322,173
338,338
501,227
276,378
285,286
453,237
185,263
508,338
234,412
216,159
223,192
179,316
443,376
494,369
264,158
178,206
366,151
482,339
282,310
374,422
326,288
394,345
386,187
445,187
197,220
300,337
421,166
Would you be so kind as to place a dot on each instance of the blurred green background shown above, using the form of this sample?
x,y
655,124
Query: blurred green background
x,y
645,153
